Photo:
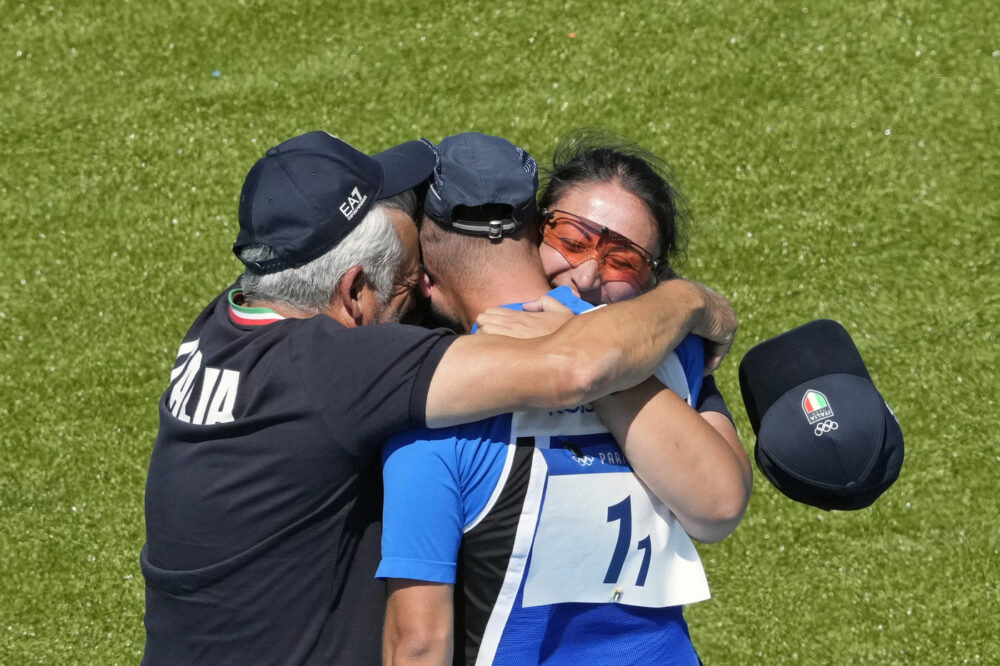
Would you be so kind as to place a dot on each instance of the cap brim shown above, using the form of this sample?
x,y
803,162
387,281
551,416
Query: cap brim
x,y
405,166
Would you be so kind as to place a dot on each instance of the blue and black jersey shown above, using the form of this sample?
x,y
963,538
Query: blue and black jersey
x,y
559,554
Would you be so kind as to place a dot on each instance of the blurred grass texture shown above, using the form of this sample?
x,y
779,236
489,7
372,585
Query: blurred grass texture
x,y
840,160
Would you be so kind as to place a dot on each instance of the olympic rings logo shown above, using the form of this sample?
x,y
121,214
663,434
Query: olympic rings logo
x,y
585,461
825,426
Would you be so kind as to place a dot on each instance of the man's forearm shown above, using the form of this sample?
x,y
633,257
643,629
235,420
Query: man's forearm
x,y
418,624
634,337
592,355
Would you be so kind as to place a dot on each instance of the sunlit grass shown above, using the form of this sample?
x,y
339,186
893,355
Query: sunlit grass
x,y
840,159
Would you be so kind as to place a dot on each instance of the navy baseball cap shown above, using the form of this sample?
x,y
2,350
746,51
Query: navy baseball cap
x,y
482,186
307,193
825,436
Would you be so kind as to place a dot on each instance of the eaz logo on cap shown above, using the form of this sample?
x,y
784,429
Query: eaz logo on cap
x,y
350,207
816,406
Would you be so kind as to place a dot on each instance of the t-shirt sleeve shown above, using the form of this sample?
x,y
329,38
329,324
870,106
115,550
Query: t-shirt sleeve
x,y
691,351
711,399
373,379
422,513
683,368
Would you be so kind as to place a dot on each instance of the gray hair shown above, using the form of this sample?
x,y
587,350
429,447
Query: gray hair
x,y
373,245
405,201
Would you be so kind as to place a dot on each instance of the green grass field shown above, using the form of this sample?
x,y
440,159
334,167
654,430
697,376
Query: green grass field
x,y
841,160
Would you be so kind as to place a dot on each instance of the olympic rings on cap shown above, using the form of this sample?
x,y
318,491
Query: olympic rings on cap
x,y
825,426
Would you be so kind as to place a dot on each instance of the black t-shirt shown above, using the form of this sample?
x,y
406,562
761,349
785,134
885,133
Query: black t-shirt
x,y
263,499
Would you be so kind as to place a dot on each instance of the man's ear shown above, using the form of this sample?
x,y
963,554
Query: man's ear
x,y
350,309
424,283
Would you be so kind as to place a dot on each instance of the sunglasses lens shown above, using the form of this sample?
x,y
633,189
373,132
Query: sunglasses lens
x,y
573,241
577,242
625,264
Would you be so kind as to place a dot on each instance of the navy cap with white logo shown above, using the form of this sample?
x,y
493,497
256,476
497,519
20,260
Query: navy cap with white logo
x,y
482,186
307,193
825,436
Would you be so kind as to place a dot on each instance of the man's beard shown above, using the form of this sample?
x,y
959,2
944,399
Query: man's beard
x,y
383,315
434,317
424,314
386,315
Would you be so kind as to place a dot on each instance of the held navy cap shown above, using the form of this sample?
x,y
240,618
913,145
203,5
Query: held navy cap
x,y
306,194
482,186
825,436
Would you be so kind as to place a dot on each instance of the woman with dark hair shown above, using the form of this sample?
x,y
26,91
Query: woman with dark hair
x,y
612,221
612,218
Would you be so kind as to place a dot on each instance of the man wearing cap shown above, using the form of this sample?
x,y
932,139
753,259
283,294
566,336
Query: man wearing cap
x,y
263,492
527,538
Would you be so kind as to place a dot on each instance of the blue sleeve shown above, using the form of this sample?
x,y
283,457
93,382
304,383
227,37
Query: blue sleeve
x,y
691,352
566,296
436,482
422,509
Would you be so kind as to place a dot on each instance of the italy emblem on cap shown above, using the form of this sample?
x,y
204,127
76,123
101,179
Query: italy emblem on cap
x,y
816,406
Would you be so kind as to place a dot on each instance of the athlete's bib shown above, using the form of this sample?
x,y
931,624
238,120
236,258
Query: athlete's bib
x,y
605,538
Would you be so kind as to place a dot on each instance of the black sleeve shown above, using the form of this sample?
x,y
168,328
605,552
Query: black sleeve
x,y
372,381
710,399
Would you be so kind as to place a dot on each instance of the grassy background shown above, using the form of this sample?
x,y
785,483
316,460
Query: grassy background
x,y
840,158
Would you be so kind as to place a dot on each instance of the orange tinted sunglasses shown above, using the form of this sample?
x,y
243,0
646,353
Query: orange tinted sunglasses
x,y
578,239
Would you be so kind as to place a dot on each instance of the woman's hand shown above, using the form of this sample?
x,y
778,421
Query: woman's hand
x,y
548,315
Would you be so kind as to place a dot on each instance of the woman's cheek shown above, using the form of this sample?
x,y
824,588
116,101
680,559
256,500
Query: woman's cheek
x,y
614,292
554,265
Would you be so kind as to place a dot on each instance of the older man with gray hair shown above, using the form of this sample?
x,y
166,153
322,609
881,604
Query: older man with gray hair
x,y
263,493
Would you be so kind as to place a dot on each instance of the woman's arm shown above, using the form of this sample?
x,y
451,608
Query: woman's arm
x,y
694,464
